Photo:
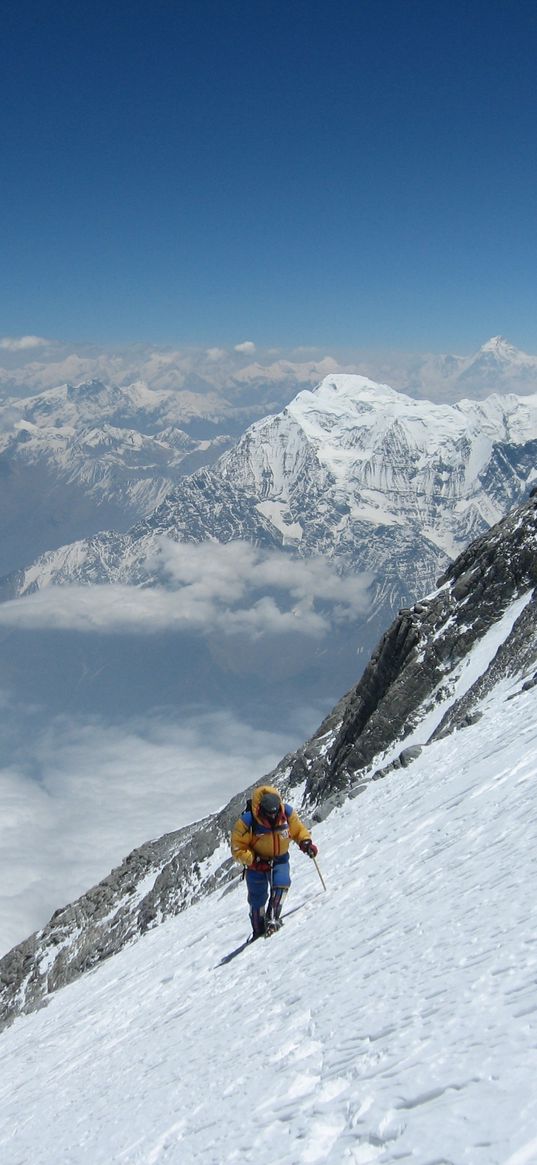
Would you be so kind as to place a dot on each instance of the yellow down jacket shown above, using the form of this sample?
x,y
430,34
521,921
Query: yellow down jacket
x,y
251,837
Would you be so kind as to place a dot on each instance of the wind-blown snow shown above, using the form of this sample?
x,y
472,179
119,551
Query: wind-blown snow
x,y
394,1018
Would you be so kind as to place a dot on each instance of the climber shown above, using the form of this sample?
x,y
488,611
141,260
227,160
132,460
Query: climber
x,y
260,841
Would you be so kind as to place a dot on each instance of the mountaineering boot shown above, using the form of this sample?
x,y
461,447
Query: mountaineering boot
x,y
273,921
272,925
276,901
257,918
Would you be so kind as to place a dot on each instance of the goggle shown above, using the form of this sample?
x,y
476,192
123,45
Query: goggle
x,y
272,815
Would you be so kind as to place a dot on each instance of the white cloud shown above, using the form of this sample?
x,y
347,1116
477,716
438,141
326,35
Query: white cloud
x,y
103,790
247,346
115,608
22,343
216,354
265,618
213,588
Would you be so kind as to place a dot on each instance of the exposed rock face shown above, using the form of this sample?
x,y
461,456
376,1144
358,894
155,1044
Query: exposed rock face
x,y
432,668
417,663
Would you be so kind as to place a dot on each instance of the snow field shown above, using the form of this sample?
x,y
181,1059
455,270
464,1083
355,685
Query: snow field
x,y
393,1019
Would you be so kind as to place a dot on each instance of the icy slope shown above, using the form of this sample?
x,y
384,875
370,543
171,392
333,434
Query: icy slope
x,y
394,1018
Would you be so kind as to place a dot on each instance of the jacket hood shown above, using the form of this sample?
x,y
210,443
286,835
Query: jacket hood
x,y
259,793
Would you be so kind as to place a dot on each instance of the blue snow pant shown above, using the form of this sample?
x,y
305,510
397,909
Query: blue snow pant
x,y
258,885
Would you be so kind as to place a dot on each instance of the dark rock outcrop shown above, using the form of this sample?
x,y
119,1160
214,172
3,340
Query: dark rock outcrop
x,y
410,671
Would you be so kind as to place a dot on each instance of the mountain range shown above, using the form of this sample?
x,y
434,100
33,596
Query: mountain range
x,y
217,381
244,602
103,448
394,1016
352,472
76,459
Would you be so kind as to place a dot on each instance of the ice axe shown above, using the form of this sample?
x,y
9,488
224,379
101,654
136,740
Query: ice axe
x,y
319,873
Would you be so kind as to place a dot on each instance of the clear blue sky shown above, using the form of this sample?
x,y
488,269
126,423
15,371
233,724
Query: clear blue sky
x,y
288,171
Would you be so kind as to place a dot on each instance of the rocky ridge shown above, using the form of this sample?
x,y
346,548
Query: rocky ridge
x,y
428,675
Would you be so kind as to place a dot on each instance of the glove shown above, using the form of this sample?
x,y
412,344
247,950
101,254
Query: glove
x,y
260,864
309,848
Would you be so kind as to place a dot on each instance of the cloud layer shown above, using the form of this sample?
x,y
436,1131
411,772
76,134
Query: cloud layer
x,y
230,589
213,369
89,793
227,627
21,343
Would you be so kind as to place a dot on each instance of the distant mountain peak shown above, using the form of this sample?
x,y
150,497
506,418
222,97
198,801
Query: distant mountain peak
x,y
86,388
495,343
499,366
502,349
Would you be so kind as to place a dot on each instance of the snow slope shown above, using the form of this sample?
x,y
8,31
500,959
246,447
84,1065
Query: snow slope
x,y
394,1018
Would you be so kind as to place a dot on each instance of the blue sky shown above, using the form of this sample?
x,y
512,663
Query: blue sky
x,y
338,173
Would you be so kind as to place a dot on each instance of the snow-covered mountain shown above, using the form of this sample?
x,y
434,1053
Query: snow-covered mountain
x,y
497,367
395,1015
352,471
75,460
433,673
354,458
56,490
